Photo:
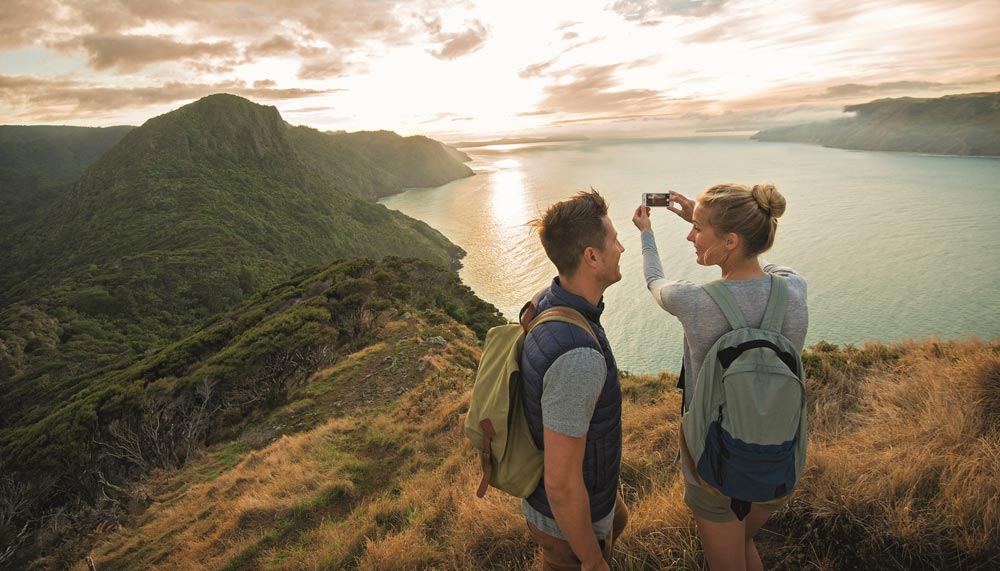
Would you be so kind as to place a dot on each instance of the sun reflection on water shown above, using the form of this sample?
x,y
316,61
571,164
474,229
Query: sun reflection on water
x,y
506,190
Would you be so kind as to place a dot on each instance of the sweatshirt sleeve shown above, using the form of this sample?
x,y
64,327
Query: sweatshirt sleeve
x,y
785,272
779,270
652,269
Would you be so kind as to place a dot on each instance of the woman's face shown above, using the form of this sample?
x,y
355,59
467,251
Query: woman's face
x,y
708,245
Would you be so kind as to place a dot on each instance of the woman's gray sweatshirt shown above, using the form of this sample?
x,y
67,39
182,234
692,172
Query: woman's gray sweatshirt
x,y
702,319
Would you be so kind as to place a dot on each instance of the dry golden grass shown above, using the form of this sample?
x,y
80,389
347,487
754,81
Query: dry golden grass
x,y
902,474
918,473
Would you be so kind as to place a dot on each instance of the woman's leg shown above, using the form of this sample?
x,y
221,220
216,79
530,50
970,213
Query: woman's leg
x,y
723,544
754,521
729,546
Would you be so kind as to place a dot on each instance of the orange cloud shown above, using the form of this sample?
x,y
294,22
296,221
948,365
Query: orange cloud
x,y
132,53
458,44
593,91
67,99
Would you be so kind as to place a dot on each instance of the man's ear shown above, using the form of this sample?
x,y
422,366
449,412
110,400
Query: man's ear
x,y
590,256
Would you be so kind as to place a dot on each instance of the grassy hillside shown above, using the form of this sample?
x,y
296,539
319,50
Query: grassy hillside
x,y
366,468
70,449
952,125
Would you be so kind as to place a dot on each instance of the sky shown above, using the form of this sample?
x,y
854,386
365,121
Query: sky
x,y
482,69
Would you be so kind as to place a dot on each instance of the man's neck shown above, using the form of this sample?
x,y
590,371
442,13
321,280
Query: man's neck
x,y
585,288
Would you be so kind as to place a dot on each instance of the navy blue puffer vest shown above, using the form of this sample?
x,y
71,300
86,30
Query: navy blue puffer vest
x,y
546,343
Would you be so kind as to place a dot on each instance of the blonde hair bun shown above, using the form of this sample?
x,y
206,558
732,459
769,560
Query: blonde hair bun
x,y
768,198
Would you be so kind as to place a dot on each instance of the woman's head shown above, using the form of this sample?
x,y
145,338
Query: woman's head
x,y
750,213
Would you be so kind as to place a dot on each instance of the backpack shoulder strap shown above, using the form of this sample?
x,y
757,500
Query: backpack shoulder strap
x,y
727,303
777,303
529,311
565,315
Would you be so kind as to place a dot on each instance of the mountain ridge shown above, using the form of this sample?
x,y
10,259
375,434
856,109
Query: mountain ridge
x,y
232,164
965,124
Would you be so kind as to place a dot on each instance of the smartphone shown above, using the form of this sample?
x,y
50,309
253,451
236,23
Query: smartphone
x,y
656,199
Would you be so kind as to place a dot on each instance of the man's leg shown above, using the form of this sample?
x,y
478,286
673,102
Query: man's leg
x,y
617,526
557,555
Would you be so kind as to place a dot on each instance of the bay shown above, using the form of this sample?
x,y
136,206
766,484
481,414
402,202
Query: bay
x,y
893,246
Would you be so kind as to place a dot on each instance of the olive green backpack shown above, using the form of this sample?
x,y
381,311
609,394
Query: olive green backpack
x,y
496,425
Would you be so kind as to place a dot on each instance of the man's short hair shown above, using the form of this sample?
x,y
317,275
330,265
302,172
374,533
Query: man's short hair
x,y
571,226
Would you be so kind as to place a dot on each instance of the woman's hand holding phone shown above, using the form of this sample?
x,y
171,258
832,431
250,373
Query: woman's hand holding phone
x,y
641,219
681,206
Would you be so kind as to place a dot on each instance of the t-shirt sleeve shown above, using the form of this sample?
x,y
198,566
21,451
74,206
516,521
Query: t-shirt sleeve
x,y
570,390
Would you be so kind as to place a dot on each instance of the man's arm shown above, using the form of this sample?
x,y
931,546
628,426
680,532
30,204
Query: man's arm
x,y
568,496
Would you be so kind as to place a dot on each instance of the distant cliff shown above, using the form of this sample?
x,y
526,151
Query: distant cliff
x,y
966,124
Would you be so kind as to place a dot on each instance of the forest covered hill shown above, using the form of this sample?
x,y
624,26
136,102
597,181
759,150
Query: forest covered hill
x,y
37,162
106,264
967,124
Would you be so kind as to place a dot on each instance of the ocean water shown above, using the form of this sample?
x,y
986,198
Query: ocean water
x,y
894,246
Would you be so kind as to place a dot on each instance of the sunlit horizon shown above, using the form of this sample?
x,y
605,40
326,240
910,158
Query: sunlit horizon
x,y
474,70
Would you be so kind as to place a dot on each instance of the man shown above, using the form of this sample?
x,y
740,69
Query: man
x,y
572,398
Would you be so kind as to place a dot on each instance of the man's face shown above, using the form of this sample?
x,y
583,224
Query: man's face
x,y
609,271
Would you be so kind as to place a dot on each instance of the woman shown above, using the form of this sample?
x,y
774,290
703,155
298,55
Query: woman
x,y
731,226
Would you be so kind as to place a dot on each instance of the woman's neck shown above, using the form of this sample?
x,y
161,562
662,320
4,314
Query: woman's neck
x,y
742,269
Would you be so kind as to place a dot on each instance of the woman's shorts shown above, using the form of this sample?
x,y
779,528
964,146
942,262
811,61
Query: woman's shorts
x,y
712,507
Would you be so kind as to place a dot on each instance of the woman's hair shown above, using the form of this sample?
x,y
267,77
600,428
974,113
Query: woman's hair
x,y
571,226
750,212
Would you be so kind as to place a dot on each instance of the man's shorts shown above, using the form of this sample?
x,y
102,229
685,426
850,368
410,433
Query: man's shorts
x,y
715,508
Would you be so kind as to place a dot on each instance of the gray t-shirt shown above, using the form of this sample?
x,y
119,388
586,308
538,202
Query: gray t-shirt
x,y
702,319
570,389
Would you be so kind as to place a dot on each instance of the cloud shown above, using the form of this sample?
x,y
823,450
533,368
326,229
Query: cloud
x,y
115,34
20,21
69,99
317,109
132,53
324,67
278,45
848,90
541,68
641,10
458,44
592,91
536,69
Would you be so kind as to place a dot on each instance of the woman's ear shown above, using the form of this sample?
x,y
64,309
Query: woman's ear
x,y
733,241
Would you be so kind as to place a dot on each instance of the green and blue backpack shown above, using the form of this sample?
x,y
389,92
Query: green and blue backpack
x,y
745,429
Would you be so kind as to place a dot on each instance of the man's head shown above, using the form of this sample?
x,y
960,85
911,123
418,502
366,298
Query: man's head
x,y
576,232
